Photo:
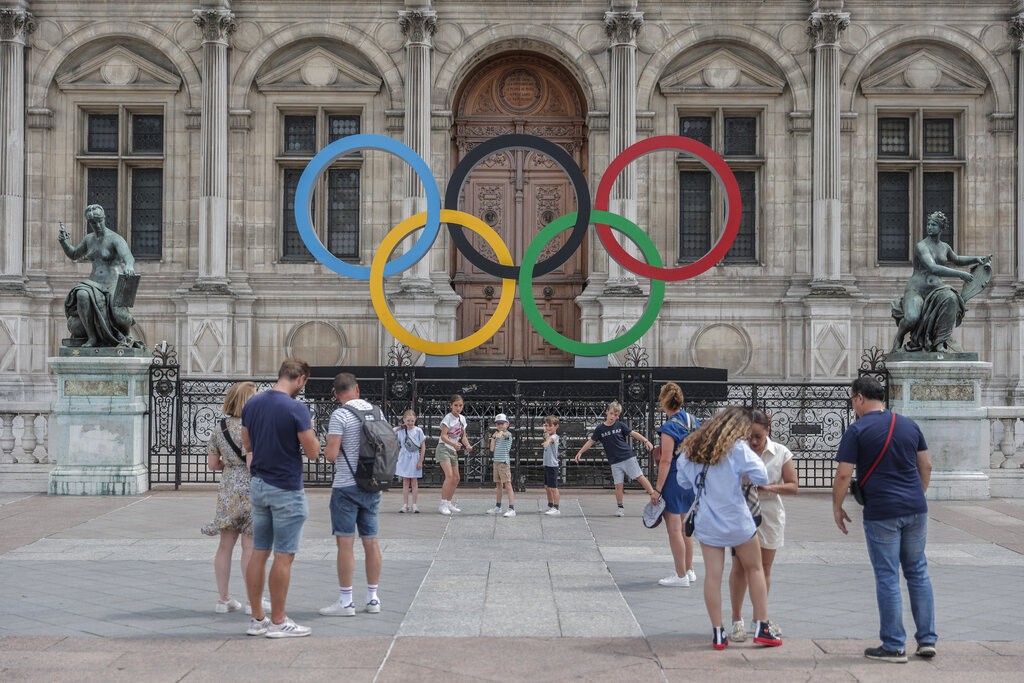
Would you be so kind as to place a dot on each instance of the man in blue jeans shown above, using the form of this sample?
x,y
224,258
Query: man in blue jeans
x,y
352,508
895,514
274,428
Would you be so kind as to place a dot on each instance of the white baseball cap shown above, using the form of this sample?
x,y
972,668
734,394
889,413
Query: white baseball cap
x,y
500,417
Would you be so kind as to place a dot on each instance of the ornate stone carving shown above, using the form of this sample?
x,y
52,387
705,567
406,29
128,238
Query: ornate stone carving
x,y
216,24
824,27
15,24
623,27
418,26
1016,29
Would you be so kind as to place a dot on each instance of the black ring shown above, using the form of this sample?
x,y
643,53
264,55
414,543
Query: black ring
x,y
562,158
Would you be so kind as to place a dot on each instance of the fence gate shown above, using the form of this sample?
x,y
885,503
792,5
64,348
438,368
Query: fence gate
x,y
807,418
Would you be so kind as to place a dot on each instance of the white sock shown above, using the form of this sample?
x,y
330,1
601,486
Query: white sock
x,y
345,597
371,593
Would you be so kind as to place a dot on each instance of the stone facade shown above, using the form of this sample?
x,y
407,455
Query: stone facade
x,y
816,77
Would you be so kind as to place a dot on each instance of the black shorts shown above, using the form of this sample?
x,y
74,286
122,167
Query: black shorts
x,y
551,477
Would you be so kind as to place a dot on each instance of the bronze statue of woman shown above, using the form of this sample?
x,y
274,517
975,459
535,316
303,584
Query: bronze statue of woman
x,y
930,310
93,319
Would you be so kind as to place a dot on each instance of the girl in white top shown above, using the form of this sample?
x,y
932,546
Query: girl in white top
x,y
717,460
782,480
453,439
412,447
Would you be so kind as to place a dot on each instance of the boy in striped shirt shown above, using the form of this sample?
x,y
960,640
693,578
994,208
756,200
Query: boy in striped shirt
x,y
501,446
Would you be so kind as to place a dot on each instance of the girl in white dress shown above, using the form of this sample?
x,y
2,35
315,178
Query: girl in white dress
x,y
412,447
782,480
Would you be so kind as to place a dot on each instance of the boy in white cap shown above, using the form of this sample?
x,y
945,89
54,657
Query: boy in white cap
x,y
501,446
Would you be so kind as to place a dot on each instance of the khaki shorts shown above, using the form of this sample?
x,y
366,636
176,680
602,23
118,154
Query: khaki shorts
x,y
502,473
445,453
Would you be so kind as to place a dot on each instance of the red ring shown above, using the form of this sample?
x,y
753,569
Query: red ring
x,y
715,163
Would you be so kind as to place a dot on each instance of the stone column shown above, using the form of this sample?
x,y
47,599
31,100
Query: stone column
x,y
15,24
1017,32
216,25
824,29
418,26
622,28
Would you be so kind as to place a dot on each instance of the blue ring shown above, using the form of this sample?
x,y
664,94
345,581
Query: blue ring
x,y
326,157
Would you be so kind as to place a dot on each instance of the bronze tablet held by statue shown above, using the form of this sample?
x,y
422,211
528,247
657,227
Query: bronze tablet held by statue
x,y
97,308
930,309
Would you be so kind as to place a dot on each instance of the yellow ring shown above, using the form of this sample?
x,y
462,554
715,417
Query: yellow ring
x,y
380,304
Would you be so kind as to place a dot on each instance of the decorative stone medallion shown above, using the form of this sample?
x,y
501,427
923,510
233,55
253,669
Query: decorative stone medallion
x,y
519,89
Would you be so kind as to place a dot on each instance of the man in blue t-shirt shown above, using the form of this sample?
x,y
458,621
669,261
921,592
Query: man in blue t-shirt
x,y
612,434
893,450
275,430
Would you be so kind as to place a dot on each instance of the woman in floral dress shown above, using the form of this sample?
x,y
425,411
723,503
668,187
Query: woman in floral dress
x,y
234,513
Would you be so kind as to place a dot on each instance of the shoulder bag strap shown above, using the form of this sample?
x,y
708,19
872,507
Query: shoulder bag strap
x,y
227,437
700,486
341,447
892,426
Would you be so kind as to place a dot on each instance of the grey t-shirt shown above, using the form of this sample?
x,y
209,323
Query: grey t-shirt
x,y
551,452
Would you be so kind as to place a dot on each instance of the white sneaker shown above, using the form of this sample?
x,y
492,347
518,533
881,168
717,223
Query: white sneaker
x,y
336,609
404,508
444,509
620,512
266,606
258,627
415,509
554,512
739,632
453,507
494,510
510,513
287,629
225,606
373,607
678,581
691,575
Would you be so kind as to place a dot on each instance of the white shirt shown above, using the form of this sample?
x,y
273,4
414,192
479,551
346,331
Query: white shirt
x,y
343,423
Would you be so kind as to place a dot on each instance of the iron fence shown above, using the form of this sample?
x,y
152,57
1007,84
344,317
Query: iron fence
x,y
808,418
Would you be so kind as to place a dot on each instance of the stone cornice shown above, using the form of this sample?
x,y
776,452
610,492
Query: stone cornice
x,y
824,27
623,27
1016,28
15,24
216,24
418,26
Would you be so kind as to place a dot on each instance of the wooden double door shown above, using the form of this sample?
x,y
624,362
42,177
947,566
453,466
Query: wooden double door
x,y
517,192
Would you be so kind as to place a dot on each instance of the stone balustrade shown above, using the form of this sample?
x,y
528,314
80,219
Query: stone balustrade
x,y
1006,454
23,435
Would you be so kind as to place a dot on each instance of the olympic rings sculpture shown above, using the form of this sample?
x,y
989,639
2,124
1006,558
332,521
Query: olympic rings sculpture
x,y
511,275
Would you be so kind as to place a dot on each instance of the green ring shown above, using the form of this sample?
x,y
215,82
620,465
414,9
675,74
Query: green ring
x,y
533,314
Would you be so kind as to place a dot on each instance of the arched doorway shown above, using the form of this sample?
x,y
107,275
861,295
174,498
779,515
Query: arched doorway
x,y
518,192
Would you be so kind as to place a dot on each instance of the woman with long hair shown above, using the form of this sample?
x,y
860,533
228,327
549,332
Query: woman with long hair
x,y
677,426
718,459
782,481
233,519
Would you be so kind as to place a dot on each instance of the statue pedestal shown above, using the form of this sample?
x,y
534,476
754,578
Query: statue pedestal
x,y
944,398
98,433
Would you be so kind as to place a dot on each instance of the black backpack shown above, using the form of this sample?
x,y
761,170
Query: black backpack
x,y
378,450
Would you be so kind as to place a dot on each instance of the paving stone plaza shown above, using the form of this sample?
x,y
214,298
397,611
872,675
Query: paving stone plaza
x,y
122,588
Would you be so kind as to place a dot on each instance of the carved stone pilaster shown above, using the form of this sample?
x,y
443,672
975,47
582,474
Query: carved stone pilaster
x,y
216,24
623,27
1016,29
824,27
418,26
15,24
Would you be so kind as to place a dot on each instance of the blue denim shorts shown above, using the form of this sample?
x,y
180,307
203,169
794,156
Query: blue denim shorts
x,y
677,499
277,517
551,477
352,508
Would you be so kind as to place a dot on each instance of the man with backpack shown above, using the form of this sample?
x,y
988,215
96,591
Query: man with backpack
x,y
352,505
